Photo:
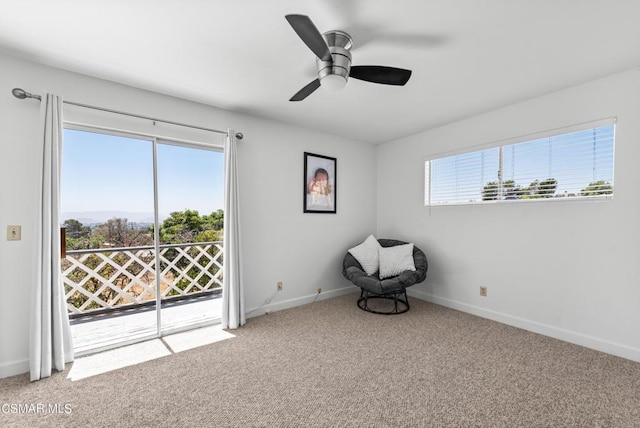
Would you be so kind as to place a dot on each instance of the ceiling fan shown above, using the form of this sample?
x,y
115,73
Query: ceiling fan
x,y
334,60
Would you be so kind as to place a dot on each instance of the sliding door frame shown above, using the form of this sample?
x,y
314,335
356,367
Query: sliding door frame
x,y
155,140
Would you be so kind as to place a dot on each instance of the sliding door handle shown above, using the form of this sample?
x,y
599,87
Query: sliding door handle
x,y
63,243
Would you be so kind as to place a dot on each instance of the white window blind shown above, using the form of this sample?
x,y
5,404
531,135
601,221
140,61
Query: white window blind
x,y
576,164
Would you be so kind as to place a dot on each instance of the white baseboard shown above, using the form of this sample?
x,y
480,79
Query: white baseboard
x,y
14,368
291,303
601,345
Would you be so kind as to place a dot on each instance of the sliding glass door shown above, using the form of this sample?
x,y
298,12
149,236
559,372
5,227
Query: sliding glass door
x,y
190,202
143,221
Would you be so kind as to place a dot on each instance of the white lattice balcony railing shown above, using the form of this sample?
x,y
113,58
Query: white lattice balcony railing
x,y
120,278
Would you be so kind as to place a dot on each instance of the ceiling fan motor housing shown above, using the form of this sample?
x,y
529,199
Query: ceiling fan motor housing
x,y
333,74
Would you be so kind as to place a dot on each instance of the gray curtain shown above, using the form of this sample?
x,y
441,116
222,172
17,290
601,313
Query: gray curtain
x,y
233,314
49,331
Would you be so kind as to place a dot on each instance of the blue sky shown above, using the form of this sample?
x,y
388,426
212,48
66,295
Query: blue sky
x,y
112,173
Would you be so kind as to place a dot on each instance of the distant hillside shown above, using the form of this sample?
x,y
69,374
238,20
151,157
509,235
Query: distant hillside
x,y
98,217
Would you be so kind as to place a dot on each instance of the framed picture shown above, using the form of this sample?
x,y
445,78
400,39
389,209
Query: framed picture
x,y
319,184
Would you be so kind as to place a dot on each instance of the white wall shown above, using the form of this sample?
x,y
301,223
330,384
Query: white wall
x,y
280,242
565,269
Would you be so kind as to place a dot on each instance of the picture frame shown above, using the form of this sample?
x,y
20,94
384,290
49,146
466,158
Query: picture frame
x,y
320,184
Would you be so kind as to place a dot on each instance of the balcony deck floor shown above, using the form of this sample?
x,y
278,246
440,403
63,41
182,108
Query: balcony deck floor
x,y
110,330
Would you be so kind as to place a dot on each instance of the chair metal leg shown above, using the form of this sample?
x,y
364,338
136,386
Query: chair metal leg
x,y
363,301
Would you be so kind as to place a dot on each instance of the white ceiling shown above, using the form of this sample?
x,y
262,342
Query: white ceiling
x,y
467,56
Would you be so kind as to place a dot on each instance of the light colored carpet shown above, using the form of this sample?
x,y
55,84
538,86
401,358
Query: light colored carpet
x,y
329,364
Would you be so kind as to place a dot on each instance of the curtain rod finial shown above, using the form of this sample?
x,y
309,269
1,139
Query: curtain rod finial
x,y
19,93
239,135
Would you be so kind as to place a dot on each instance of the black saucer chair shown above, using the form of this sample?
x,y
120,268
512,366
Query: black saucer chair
x,y
394,288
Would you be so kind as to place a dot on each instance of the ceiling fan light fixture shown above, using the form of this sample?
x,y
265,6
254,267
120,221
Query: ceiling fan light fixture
x,y
333,82
333,58
333,74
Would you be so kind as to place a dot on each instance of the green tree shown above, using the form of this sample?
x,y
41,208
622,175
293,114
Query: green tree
x,y
547,188
596,188
215,220
540,189
76,229
209,236
190,226
181,226
512,190
117,232
490,191
78,236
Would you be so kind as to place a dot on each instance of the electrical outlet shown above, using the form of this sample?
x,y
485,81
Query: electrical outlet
x,y
279,285
483,291
319,290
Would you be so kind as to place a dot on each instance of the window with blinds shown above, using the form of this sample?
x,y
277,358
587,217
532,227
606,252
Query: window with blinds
x,y
576,164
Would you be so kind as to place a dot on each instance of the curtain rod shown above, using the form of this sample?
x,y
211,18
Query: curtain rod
x,y
22,94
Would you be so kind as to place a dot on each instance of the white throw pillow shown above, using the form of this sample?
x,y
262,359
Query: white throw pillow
x,y
367,254
395,260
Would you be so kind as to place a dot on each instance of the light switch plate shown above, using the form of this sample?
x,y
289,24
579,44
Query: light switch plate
x,y
14,233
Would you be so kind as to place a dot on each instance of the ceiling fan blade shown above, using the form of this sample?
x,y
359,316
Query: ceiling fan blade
x,y
310,35
380,74
306,91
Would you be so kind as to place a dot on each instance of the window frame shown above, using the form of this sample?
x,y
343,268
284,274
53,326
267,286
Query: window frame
x,y
555,132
